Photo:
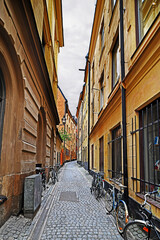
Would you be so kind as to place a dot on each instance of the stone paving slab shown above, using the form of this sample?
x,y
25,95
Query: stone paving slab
x,y
59,219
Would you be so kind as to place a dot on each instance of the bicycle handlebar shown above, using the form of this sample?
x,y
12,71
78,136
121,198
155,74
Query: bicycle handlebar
x,y
146,195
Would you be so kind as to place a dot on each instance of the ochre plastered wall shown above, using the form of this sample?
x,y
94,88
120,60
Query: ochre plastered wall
x,y
142,64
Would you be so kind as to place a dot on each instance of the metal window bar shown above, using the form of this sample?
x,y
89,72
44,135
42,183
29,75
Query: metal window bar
x,y
148,145
144,186
136,152
153,141
141,180
117,174
113,140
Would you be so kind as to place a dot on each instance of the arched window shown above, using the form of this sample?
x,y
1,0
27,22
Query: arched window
x,y
2,106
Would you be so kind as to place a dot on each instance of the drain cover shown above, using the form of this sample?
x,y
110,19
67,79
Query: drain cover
x,y
68,196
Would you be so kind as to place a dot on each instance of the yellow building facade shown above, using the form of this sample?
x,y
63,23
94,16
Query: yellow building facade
x,y
124,96
82,126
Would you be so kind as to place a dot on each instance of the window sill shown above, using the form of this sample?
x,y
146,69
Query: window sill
x,y
114,90
149,200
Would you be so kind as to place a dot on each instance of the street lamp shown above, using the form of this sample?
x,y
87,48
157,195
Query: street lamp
x,y
64,122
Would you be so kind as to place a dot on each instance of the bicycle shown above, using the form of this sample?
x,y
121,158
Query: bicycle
x,y
53,175
97,184
41,171
115,202
143,229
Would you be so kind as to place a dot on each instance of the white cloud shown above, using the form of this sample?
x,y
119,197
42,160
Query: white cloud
x,y
77,23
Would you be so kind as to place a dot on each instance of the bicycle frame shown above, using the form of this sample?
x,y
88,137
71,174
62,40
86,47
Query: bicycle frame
x,y
115,203
147,225
114,198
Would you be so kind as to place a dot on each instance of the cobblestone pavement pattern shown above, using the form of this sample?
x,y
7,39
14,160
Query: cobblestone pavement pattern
x,y
68,212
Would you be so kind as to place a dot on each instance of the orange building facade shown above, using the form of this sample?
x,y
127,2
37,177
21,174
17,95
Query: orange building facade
x,y
69,127
28,92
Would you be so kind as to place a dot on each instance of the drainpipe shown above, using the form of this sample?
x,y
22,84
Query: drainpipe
x,y
123,102
88,113
81,132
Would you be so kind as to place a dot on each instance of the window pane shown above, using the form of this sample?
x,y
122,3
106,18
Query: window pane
x,y
115,63
101,154
116,153
149,146
148,10
102,36
113,3
102,91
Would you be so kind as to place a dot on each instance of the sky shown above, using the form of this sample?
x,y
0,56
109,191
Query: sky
x,y
77,26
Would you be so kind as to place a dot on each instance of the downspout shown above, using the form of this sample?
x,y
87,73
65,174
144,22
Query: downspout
x,y
81,132
124,130
88,114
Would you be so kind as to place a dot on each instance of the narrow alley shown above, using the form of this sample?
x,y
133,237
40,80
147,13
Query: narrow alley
x,y
68,211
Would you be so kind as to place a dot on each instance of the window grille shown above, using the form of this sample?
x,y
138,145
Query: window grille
x,y
146,162
115,158
101,154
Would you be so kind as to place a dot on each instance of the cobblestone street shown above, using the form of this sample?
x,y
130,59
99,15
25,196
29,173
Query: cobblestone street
x,y
68,211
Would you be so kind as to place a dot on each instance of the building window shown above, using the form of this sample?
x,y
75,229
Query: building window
x,y
116,154
146,12
149,138
2,106
102,91
102,35
101,154
92,149
113,3
115,63
93,74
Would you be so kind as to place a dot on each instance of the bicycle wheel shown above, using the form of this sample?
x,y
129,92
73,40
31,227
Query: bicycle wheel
x,y
57,176
101,191
109,200
122,216
96,191
136,230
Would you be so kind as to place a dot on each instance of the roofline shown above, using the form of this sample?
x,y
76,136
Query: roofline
x,y
95,25
62,93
